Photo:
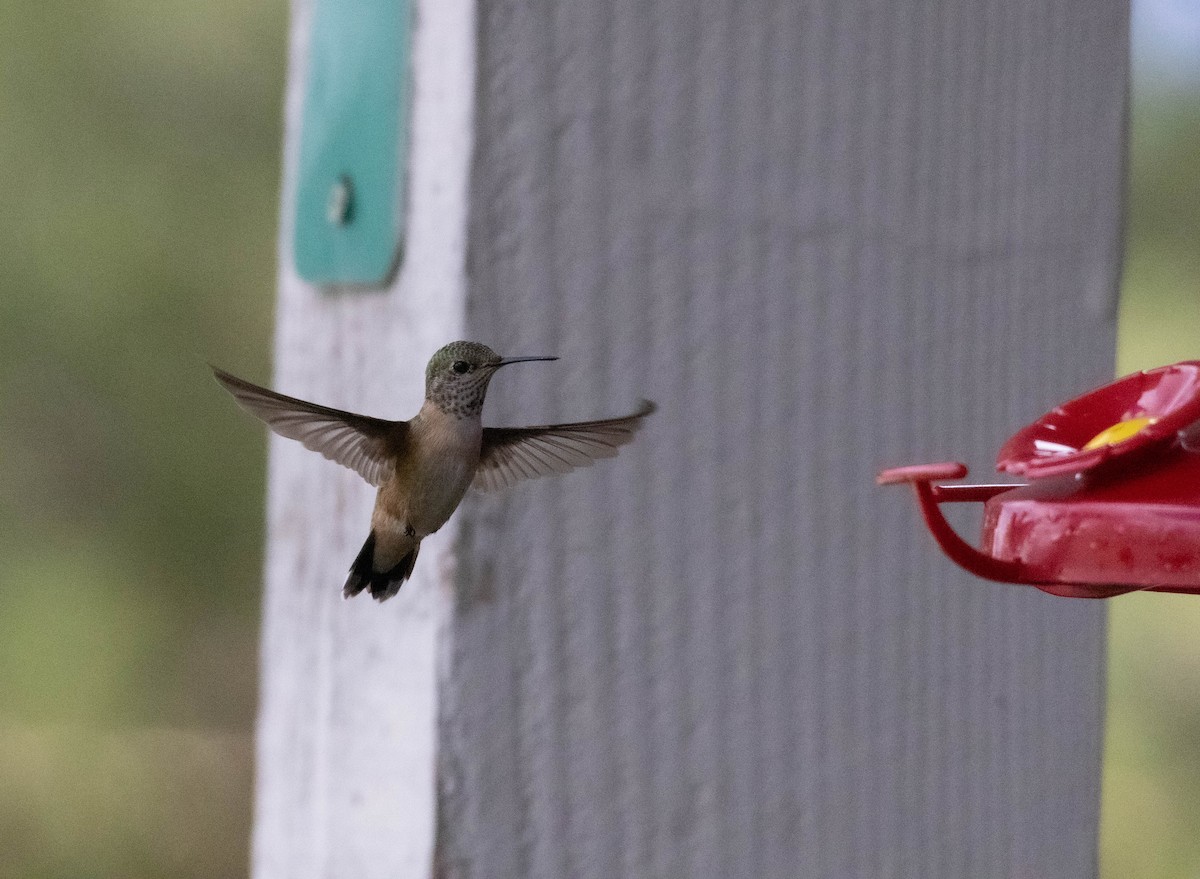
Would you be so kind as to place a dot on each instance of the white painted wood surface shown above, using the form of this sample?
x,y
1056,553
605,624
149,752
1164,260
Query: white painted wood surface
x,y
826,237
347,737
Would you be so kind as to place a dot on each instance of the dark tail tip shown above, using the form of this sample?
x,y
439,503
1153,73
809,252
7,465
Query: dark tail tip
x,y
381,584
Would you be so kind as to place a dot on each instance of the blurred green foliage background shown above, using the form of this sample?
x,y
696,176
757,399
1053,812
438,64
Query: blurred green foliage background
x,y
139,166
1150,824
139,173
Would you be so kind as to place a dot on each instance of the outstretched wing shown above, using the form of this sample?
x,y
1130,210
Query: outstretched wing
x,y
355,441
510,454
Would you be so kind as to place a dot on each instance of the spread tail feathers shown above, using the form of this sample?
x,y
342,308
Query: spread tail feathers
x,y
381,584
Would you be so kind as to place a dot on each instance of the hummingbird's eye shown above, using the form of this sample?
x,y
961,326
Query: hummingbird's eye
x,y
460,366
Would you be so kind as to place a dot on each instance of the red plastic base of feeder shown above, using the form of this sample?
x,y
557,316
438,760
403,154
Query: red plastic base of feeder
x,y
1068,539
1114,501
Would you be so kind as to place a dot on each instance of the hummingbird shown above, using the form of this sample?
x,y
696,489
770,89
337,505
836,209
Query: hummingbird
x,y
424,466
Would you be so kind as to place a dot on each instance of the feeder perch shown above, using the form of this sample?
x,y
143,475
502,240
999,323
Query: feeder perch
x,y
1113,499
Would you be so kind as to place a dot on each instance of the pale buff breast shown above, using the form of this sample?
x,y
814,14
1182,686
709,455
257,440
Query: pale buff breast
x,y
433,477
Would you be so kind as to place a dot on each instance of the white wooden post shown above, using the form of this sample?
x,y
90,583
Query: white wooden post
x,y
347,736
825,238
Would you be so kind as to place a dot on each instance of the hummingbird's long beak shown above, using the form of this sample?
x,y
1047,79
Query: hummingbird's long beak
x,y
508,360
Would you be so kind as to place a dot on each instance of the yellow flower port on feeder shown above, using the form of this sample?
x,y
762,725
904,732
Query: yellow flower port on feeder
x,y
1118,432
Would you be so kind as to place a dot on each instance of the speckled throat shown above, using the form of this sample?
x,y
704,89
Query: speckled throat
x,y
463,398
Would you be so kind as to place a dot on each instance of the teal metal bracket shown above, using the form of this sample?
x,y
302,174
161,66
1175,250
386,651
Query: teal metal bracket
x,y
350,197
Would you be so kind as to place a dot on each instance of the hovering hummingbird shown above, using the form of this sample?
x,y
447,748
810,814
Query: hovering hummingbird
x,y
424,466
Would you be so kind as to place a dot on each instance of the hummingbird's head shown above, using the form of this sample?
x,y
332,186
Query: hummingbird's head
x,y
457,376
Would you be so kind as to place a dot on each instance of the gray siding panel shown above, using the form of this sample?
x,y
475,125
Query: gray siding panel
x,y
825,238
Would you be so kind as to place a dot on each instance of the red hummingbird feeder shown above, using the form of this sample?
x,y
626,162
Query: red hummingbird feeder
x,y
1113,499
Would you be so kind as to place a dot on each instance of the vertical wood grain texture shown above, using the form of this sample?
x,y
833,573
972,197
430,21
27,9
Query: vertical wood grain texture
x,y
826,237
